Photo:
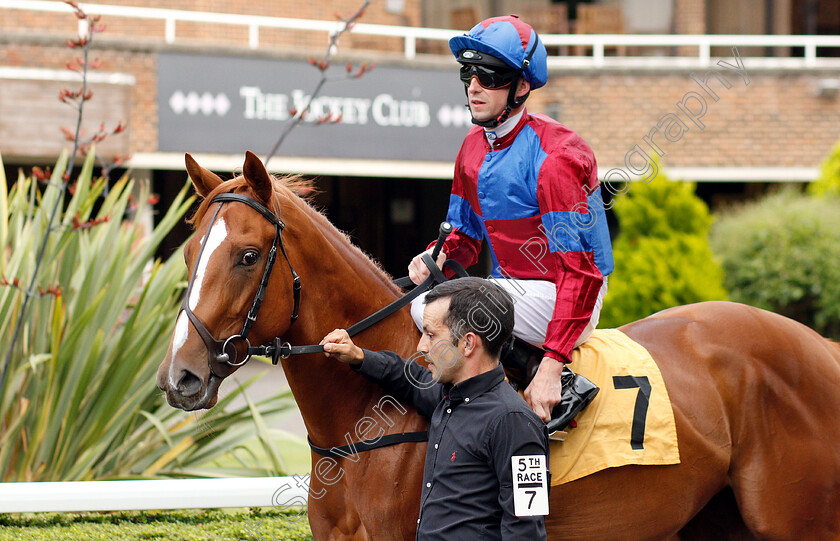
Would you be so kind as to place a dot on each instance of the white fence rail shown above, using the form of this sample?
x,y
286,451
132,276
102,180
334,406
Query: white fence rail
x,y
156,494
410,35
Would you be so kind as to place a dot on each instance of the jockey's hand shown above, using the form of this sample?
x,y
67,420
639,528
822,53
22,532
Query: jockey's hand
x,y
338,345
545,390
418,271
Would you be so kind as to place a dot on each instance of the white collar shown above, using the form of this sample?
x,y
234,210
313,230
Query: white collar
x,y
493,134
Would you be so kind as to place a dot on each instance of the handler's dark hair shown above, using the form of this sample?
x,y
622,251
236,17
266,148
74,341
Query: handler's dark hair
x,y
479,306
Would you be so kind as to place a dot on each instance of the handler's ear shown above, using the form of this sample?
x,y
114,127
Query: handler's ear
x,y
471,342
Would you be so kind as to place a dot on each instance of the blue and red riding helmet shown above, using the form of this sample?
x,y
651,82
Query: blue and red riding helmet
x,y
510,40
501,42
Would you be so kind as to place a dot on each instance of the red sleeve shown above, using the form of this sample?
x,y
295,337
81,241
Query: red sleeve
x,y
565,181
464,243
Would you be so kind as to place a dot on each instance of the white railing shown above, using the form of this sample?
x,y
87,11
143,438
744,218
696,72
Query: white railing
x,y
410,35
157,494
171,17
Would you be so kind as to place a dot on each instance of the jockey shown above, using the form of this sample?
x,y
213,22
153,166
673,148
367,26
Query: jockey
x,y
529,186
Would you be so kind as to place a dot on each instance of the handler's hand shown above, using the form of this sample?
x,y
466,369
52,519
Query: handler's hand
x,y
546,389
418,271
338,345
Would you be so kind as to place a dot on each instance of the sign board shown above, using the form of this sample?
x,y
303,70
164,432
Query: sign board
x,y
226,104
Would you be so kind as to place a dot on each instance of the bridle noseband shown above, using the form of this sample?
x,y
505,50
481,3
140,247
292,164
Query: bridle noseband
x,y
223,355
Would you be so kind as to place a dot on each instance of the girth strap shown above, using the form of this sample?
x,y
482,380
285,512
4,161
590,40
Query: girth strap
x,y
369,445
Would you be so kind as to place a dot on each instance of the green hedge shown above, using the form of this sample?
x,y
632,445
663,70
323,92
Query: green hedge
x,y
782,253
662,255
211,525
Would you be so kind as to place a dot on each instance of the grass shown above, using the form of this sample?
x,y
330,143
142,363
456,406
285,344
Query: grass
x,y
196,525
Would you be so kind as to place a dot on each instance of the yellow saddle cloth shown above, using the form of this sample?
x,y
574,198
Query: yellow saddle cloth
x,y
629,422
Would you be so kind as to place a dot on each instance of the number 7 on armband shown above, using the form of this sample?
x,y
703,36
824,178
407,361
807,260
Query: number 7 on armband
x,y
530,485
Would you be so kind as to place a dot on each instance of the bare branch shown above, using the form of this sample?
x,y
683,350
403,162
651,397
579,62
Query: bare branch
x,y
322,65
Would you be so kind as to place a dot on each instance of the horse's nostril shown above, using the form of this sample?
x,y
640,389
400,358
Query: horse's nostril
x,y
189,384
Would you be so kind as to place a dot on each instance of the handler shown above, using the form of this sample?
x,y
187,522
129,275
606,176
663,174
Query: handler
x,y
529,186
478,425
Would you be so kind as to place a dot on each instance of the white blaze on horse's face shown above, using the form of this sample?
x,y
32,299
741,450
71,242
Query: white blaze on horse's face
x,y
218,233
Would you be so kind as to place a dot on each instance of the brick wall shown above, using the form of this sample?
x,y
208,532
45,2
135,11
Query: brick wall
x,y
777,120
142,121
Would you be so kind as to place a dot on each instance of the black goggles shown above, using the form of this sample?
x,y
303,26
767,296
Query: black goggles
x,y
487,77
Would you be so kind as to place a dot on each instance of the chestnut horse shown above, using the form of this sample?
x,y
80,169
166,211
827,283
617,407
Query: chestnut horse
x,y
756,396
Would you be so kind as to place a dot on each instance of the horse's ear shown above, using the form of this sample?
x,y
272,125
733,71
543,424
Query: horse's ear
x,y
257,177
204,181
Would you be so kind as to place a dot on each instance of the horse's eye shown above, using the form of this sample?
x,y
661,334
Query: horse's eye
x,y
249,258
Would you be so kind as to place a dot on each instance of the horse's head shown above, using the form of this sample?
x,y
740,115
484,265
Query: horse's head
x,y
229,257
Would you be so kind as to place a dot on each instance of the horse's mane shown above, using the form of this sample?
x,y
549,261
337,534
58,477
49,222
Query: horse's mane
x,y
290,186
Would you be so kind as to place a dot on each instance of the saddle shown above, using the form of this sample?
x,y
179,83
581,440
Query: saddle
x,y
521,360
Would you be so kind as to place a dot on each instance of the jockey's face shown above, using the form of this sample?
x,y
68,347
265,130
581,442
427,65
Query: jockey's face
x,y
488,103
437,343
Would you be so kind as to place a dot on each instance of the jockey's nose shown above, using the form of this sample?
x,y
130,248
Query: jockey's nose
x,y
189,384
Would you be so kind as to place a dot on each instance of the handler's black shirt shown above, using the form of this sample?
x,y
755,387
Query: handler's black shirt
x,y
475,427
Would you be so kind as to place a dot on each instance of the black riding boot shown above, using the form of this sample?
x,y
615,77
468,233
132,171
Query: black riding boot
x,y
521,361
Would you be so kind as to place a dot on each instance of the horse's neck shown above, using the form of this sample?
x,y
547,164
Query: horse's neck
x,y
340,286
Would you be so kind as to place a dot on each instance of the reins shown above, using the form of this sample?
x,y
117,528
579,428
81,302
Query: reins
x,y
223,355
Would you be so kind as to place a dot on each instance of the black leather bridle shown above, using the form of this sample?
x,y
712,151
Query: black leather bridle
x,y
223,355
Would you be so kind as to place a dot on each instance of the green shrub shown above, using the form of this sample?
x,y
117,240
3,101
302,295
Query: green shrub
x,y
662,256
829,180
79,400
781,254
